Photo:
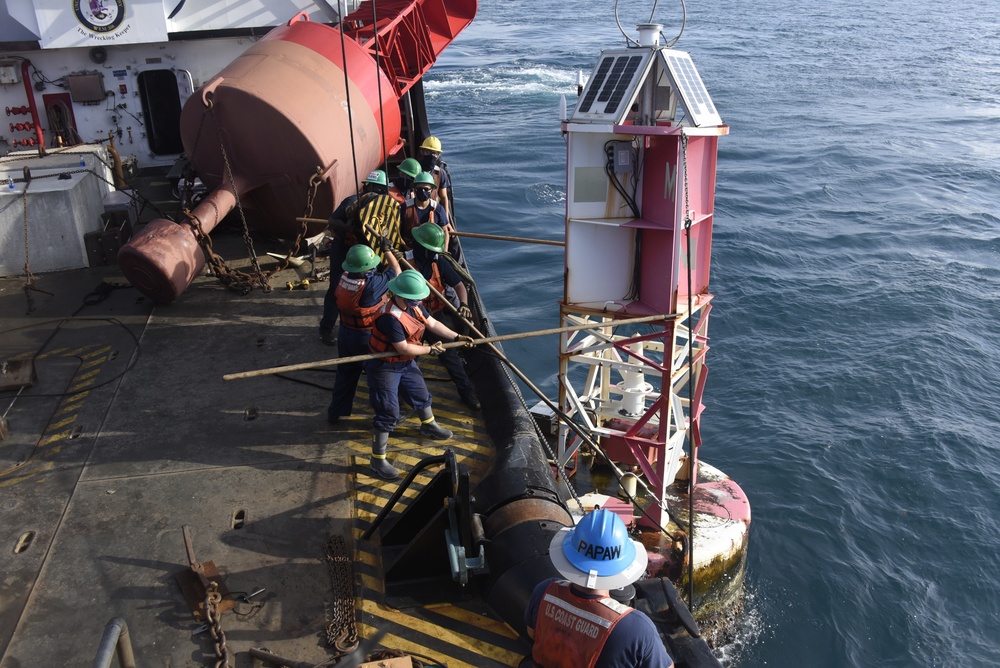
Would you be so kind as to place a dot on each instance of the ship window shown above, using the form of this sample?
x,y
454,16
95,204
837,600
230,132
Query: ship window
x,y
161,109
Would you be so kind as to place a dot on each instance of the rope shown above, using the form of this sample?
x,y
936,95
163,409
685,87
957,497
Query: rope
x,y
350,109
381,110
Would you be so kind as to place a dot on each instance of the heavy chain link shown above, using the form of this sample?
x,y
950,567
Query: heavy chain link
x,y
687,201
314,183
29,279
212,618
234,279
342,631
257,275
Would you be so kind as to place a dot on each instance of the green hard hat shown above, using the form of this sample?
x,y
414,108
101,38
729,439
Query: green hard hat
x,y
424,179
360,258
430,236
409,285
378,178
410,167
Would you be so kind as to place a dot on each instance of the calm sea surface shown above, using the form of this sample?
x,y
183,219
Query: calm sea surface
x,y
854,391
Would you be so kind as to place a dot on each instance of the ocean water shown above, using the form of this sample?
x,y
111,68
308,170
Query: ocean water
x,y
854,386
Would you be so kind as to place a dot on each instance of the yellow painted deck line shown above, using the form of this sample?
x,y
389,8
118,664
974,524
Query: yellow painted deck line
x,y
51,353
370,583
89,374
62,423
473,448
49,439
96,362
460,614
445,635
391,641
71,403
99,351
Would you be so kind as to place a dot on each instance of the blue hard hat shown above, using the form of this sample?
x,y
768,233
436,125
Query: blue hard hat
x,y
598,553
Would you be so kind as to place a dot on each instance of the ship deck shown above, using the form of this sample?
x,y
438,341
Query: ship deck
x,y
129,433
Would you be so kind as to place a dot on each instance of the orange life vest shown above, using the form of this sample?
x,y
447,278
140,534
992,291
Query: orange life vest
x,y
411,220
431,302
571,631
348,293
413,325
396,194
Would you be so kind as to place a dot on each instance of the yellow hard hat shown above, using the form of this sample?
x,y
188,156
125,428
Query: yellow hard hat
x,y
432,144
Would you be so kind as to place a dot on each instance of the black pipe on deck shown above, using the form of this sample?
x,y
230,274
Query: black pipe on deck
x,y
517,497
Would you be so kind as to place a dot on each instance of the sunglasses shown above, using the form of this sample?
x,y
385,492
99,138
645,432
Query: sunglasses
x,y
424,190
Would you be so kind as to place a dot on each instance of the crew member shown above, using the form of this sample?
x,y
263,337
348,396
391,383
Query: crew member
x,y
399,328
423,209
348,227
574,622
430,161
429,240
402,186
360,294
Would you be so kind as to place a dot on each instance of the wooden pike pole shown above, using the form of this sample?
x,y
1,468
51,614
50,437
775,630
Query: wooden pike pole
x,y
484,340
497,237
471,235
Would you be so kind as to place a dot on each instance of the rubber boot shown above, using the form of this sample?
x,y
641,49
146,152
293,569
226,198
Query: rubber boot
x,y
430,428
378,463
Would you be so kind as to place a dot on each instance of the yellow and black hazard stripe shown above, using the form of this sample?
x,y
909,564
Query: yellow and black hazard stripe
x,y
379,216
464,634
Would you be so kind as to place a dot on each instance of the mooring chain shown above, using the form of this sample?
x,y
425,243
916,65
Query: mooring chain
x,y
342,631
29,279
233,279
258,275
212,618
314,183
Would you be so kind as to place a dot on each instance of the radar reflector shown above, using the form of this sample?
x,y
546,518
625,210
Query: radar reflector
x,y
688,83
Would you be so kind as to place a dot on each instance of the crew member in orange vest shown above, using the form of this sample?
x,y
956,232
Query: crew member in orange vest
x,y
347,228
423,209
429,244
360,295
574,621
399,328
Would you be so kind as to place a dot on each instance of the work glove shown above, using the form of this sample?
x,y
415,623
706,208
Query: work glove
x,y
467,340
385,245
464,312
436,348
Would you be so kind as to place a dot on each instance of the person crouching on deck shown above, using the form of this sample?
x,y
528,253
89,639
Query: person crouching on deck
x,y
574,622
429,240
360,295
399,328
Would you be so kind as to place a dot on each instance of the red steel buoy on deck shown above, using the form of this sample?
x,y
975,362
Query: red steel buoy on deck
x,y
282,114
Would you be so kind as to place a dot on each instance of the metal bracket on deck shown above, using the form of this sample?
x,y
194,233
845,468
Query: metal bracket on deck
x,y
194,581
425,549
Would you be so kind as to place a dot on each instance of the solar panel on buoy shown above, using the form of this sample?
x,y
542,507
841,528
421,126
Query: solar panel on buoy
x,y
614,86
619,76
688,83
